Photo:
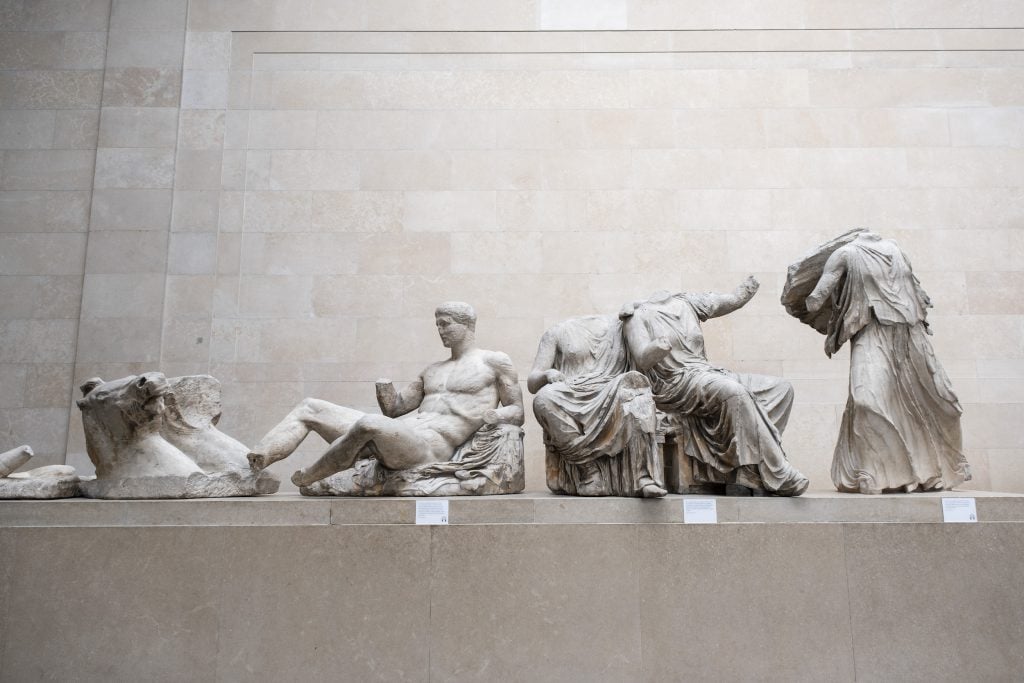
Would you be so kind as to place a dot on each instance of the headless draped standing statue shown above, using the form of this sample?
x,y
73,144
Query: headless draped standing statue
x,y
901,427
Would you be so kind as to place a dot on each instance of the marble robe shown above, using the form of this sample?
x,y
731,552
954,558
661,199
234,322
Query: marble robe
x,y
602,413
901,426
732,421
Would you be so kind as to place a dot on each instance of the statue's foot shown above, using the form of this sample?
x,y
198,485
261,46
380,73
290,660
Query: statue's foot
x,y
652,491
800,488
472,485
257,462
302,478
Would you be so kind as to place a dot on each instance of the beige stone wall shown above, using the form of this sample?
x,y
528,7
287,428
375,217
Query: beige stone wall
x,y
52,56
283,191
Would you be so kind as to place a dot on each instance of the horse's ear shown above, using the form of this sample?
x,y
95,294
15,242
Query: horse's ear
x,y
90,384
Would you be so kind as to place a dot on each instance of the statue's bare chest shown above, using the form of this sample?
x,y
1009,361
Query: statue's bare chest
x,y
464,376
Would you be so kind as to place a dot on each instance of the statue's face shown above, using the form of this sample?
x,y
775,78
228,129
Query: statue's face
x,y
451,331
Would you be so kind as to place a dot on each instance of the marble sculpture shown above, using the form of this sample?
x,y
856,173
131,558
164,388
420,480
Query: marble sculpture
x,y
153,437
598,417
51,481
728,424
455,430
901,427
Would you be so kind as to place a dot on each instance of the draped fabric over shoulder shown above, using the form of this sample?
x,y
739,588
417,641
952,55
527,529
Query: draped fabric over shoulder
x,y
901,426
732,422
601,416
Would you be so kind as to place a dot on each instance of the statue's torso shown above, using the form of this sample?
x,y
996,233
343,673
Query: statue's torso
x,y
456,394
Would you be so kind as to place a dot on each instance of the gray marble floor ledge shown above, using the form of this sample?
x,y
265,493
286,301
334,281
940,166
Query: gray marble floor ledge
x,y
289,509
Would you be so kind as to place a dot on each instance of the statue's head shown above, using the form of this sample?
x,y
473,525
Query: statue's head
x,y
455,322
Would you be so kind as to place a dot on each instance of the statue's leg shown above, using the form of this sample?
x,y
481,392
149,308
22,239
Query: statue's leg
x,y
311,415
394,444
775,394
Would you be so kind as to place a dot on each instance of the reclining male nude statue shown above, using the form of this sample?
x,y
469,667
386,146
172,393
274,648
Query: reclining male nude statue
x,y
730,423
455,430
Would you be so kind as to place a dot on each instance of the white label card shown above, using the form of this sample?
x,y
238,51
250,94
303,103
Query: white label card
x,y
431,511
959,510
700,511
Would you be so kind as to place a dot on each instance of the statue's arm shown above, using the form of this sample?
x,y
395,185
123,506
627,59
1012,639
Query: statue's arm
x,y
832,273
509,394
723,304
646,352
394,403
544,364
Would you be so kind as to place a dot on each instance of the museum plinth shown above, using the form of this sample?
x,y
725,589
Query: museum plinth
x,y
525,587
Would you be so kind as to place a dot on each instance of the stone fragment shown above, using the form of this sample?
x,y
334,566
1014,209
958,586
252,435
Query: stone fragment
x,y
52,481
150,437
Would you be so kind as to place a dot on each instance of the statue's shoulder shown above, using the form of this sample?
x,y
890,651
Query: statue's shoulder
x,y
498,361
580,322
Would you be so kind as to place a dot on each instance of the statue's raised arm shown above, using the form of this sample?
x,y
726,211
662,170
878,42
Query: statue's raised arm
x,y
394,403
727,424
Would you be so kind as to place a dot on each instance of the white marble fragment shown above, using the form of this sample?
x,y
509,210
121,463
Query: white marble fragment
x,y
13,459
51,481
150,437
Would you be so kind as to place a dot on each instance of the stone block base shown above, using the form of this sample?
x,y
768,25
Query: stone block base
x,y
518,588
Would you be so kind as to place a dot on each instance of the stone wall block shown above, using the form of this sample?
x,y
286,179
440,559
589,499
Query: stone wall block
x,y
192,253
134,48
138,127
40,297
37,341
76,129
84,50
42,253
27,129
195,211
126,251
131,295
202,129
47,169
131,209
44,211
148,15
362,211
141,87
134,168
112,340
197,170
205,89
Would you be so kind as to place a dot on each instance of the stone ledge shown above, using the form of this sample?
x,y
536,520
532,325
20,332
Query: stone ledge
x,y
524,508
